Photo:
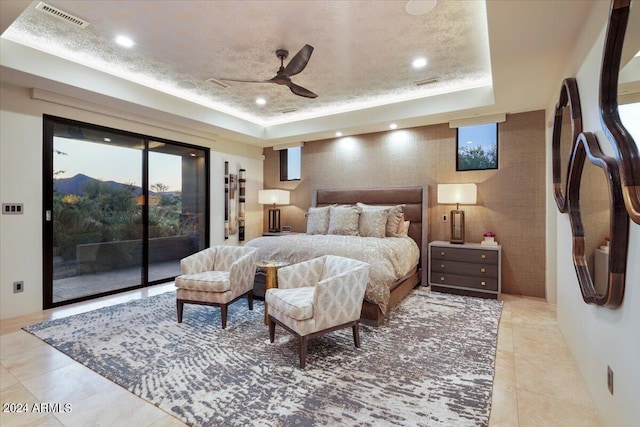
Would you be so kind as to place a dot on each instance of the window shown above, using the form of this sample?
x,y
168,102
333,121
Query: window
x,y
290,159
477,147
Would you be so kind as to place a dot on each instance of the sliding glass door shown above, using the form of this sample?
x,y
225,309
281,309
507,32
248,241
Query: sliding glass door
x,y
177,198
121,209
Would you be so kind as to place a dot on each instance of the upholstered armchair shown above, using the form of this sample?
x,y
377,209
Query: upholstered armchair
x,y
316,297
217,276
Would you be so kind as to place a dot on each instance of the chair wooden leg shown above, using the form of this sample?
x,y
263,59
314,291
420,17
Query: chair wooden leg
x,y
272,330
223,314
302,342
180,308
250,299
356,334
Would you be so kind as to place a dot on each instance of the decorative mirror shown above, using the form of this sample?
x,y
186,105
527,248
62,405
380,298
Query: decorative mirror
x,y
626,151
567,125
599,223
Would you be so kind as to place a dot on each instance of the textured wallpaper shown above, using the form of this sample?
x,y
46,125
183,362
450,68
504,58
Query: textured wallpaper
x,y
511,199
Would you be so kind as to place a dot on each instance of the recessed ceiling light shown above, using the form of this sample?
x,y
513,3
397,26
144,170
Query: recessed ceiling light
x,y
419,7
393,126
338,133
124,41
419,62
261,101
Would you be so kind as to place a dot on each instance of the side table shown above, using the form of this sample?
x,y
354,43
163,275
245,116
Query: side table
x,y
271,268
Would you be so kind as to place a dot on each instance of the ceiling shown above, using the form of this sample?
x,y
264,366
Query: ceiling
x,y
482,58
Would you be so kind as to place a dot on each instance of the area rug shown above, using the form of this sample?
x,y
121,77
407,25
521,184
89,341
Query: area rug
x,y
431,364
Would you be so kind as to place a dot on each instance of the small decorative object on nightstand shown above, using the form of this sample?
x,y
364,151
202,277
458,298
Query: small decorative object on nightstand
x,y
489,239
469,269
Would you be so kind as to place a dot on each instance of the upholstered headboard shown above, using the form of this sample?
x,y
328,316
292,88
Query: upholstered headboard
x,y
414,198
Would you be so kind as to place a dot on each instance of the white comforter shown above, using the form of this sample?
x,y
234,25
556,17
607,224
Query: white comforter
x,y
390,258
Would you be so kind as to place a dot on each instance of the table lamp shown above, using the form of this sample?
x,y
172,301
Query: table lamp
x,y
459,194
274,197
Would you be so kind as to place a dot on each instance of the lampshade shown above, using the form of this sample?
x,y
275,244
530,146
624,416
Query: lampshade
x,y
273,197
464,194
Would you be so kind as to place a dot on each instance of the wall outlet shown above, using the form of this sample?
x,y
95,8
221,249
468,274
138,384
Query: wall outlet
x,y
610,379
18,286
444,218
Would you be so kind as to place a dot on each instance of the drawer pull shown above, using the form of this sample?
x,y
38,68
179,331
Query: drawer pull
x,y
442,278
442,266
483,270
483,284
442,253
483,256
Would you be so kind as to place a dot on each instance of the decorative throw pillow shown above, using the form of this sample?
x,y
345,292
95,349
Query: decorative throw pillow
x,y
318,220
373,223
403,229
395,216
344,220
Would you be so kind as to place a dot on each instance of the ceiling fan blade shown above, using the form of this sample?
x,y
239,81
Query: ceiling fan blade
x,y
245,81
299,90
298,62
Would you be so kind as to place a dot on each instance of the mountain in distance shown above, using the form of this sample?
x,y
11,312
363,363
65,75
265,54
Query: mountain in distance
x,y
76,184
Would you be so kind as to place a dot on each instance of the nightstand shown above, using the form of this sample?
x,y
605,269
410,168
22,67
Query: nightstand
x,y
468,269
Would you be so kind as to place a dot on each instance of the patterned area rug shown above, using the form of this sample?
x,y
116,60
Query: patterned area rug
x,y
431,364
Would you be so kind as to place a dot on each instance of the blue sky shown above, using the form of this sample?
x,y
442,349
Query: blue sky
x,y
109,162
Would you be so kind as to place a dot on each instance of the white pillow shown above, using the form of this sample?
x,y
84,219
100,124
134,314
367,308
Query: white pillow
x,y
403,229
395,215
344,220
318,220
373,223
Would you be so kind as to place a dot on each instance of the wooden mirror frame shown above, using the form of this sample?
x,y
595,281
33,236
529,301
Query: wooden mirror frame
x,y
569,98
626,151
586,147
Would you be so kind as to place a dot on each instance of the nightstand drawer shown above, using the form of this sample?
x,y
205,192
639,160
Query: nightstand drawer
x,y
465,268
480,283
465,255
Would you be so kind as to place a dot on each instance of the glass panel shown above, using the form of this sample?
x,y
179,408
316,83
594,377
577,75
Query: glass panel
x,y
477,147
293,163
97,214
177,206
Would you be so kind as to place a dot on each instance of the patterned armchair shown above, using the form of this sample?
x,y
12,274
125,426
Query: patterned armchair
x,y
218,276
316,297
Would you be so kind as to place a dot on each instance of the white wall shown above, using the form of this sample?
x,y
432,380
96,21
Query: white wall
x,y
600,337
21,182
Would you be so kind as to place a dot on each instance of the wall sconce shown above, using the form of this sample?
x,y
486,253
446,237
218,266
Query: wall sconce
x,y
465,194
275,197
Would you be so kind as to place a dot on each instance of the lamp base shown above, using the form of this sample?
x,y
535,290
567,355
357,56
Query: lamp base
x,y
274,220
457,227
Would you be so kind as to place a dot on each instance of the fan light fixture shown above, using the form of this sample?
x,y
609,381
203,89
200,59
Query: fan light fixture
x,y
275,197
465,194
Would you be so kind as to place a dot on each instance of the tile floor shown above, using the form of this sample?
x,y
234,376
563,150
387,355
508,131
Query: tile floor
x,y
536,381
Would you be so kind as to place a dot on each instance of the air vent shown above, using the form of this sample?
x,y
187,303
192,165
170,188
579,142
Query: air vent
x,y
288,110
217,82
54,11
426,81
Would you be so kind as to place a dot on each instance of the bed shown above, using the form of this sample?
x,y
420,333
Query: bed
x,y
397,262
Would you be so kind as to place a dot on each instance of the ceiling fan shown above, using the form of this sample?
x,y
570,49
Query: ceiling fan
x,y
283,76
